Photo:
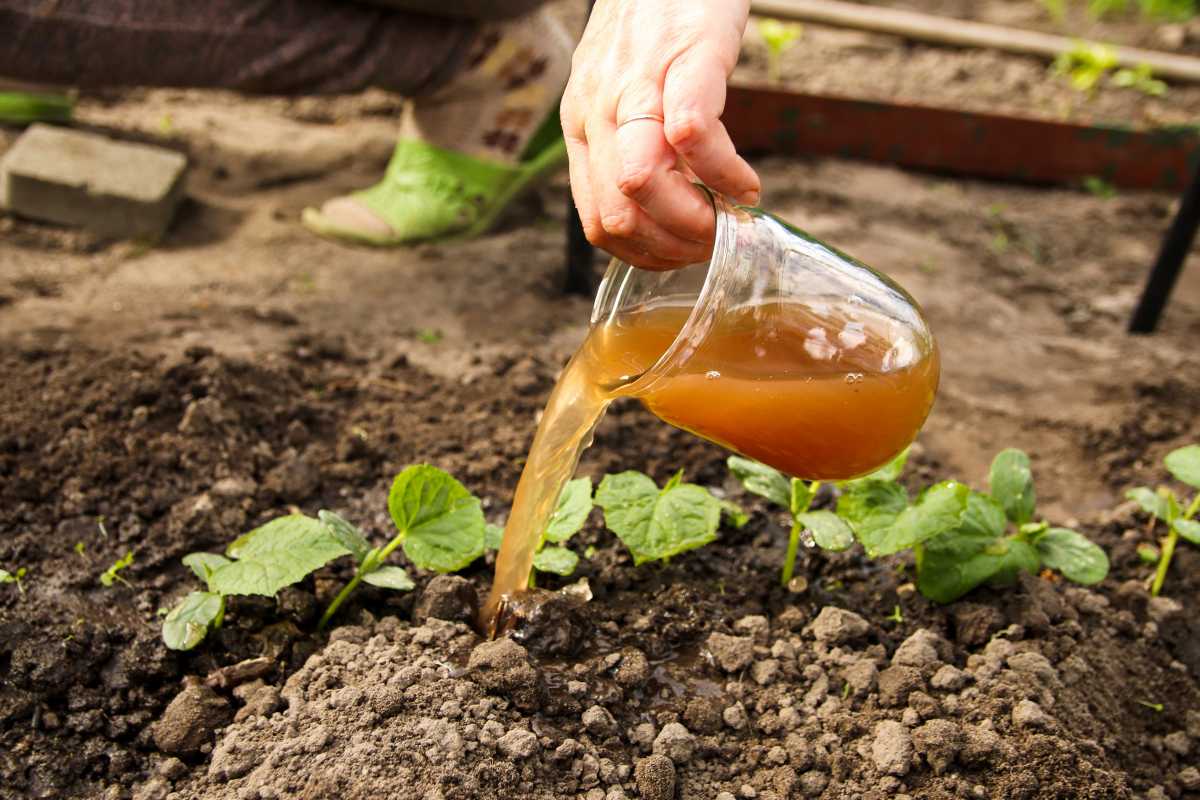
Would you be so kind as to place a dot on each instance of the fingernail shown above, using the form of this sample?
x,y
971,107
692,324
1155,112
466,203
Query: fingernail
x,y
748,198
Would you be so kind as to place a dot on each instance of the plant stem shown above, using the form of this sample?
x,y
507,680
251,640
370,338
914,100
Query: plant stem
x,y
371,563
789,561
1164,561
1193,508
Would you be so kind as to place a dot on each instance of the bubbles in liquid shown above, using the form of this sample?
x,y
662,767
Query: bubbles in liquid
x,y
807,539
712,374
854,377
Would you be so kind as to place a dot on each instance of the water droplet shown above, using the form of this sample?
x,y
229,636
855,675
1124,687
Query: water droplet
x,y
806,538
798,585
712,374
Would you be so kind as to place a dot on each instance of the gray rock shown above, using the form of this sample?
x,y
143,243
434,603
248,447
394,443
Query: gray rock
x,y
633,670
655,776
920,651
765,672
1189,778
813,783
1033,664
156,788
1178,743
892,749
518,743
111,188
735,716
676,743
839,626
861,677
1028,714
755,626
948,678
502,666
189,721
897,683
732,653
448,597
940,741
598,722
643,735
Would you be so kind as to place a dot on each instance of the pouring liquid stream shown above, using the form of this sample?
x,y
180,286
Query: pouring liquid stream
x,y
821,390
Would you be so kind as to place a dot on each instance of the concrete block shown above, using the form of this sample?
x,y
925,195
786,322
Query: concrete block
x,y
114,189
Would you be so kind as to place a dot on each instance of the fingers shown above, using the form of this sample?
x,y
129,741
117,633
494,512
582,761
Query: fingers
x,y
693,101
624,224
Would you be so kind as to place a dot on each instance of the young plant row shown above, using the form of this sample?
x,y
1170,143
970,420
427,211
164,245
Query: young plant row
x,y
960,538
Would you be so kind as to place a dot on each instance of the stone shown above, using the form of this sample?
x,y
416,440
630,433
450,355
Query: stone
x,y
703,715
447,597
1035,665
189,721
765,672
598,722
838,626
861,676
1178,743
518,744
920,651
948,678
113,189
655,777
502,667
980,745
892,749
732,653
735,716
755,626
897,683
1028,714
813,783
1189,778
633,670
939,741
676,743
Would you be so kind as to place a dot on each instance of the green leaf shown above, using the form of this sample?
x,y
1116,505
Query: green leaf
x,y
1070,553
888,472
204,565
493,536
574,505
870,506
1011,481
1188,529
1184,464
674,481
940,508
276,555
761,480
828,529
441,522
655,525
802,496
984,517
7,577
390,577
1150,501
188,622
347,533
558,560
952,565
735,514
109,576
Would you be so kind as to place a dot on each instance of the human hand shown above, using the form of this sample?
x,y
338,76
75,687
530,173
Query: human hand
x,y
665,62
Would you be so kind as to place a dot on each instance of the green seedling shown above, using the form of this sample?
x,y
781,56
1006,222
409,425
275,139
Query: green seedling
x,y
897,616
1057,9
655,524
1168,10
1140,79
440,527
1098,187
111,576
79,549
429,336
574,505
14,577
1148,553
962,538
1158,707
1164,506
816,528
1086,64
23,108
779,38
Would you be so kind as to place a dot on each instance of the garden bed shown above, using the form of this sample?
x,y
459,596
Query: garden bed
x,y
161,402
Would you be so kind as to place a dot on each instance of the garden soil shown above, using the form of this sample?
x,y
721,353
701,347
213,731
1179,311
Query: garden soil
x,y
161,400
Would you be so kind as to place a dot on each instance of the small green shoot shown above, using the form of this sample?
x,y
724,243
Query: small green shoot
x,y
779,37
14,577
440,527
1057,9
1164,10
815,528
897,616
962,538
79,550
1164,506
655,524
429,336
23,108
111,576
1140,79
1086,64
1148,553
845,690
1098,187
1158,707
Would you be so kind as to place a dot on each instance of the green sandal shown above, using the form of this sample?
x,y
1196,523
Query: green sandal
x,y
431,193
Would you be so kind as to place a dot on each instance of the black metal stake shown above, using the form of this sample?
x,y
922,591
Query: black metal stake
x,y
1170,261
